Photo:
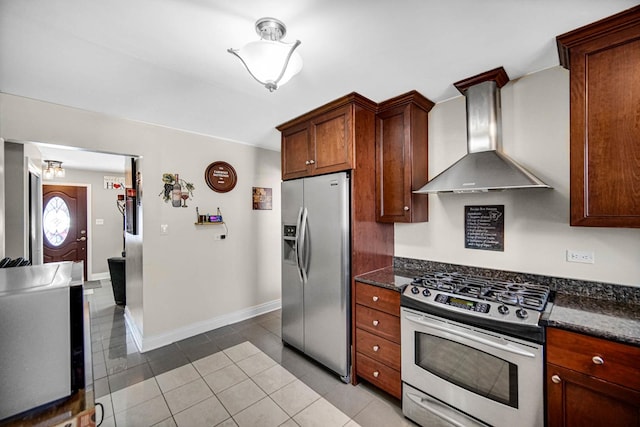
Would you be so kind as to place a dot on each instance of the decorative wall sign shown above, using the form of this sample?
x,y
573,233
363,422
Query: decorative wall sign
x,y
113,182
176,190
262,199
220,177
484,227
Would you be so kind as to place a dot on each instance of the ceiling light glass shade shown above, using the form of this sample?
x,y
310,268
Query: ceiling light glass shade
x,y
271,63
53,170
269,60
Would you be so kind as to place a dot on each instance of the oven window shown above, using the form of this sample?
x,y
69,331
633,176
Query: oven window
x,y
469,368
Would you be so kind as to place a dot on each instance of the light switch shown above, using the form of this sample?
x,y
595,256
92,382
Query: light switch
x,y
164,229
99,221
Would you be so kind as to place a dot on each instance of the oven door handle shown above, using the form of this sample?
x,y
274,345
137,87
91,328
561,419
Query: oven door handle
x,y
506,346
438,409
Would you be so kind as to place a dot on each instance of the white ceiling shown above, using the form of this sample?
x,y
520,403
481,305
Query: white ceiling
x,y
165,61
72,158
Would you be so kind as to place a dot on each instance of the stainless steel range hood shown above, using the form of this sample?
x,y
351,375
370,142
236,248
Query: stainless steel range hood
x,y
485,167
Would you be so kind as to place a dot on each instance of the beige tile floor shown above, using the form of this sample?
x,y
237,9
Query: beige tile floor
x,y
239,375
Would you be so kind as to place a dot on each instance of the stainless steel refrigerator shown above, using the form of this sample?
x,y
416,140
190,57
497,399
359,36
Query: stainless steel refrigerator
x,y
316,269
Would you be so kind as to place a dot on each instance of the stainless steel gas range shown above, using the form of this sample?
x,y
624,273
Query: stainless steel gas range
x,y
472,351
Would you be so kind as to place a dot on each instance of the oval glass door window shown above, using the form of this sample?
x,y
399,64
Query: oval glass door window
x,y
56,221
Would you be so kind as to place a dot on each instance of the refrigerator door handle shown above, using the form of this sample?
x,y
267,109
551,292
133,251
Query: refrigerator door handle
x,y
297,244
303,256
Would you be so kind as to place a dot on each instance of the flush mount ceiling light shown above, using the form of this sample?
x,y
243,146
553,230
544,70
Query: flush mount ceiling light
x,y
53,170
269,60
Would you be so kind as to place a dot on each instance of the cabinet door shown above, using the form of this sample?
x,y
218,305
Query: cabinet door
x,y
295,152
605,123
575,399
332,141
392,141
401,164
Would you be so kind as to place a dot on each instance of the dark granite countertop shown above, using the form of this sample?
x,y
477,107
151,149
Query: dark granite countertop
x,y
391,278
614,315
611,320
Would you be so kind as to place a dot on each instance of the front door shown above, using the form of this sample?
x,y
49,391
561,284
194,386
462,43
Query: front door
x,y
64,224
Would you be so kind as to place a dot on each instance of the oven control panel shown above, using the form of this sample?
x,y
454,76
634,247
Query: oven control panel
x,y
479,307
445,303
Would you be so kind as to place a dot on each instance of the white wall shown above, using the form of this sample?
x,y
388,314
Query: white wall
x,y
2,209
535,112
190,281
16,231
106,239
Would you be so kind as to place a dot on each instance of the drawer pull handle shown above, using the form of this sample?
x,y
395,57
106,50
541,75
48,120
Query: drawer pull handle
x,y
376,374
556,379
376,348
375,322
375,298
597,360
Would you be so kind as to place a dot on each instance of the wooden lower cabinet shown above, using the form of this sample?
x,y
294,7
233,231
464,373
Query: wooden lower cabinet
x,y
380,375
378,348
591,381
377,337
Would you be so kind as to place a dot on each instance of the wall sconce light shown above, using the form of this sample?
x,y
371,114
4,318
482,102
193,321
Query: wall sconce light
x,y
269,60
53,170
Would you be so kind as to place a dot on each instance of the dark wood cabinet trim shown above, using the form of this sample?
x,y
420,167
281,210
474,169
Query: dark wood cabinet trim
x,y
499,75
413,96
620,21
352,98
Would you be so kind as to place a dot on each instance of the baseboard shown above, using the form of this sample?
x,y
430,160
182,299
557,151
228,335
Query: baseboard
x,y
99,276
145,344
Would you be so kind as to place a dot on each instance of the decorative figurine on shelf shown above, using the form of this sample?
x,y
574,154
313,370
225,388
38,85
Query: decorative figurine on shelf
x,y
176,190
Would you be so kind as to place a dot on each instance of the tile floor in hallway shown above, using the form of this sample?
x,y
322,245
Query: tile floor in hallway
x,y
237,375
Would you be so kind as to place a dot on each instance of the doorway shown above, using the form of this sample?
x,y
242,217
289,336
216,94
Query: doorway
x,y
64,224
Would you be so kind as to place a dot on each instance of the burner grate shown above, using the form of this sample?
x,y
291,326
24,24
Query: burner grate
x,y
527,295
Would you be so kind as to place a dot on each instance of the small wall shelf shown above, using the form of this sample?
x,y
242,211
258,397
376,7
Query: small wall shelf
x,y
209,223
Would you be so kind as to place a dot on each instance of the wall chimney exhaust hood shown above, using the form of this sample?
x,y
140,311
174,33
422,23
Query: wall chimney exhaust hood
x,y
485,167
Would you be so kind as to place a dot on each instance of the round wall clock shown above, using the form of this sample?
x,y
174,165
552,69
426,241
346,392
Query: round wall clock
x,y
220,177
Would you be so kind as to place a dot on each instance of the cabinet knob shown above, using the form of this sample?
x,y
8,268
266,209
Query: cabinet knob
x,y
375,322
597,360
376,374
376,348
375,298
311,162
406,208
556,379
307,163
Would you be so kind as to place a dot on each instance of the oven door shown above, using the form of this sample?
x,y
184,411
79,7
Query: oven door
x,y
492,377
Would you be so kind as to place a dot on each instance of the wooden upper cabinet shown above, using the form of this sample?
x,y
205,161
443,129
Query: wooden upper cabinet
x,y
295,151
402,135
604,63
331,141
323,140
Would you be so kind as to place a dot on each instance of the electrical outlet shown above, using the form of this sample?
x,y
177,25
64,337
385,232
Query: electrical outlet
x,y
164,229
585,257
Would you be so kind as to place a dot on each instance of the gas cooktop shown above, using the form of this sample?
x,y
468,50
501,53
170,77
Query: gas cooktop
x,y
502,304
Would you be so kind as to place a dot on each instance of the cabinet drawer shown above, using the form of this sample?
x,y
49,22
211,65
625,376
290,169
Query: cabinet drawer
x,y
379,375
607,360
378,323
379,349
379,298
